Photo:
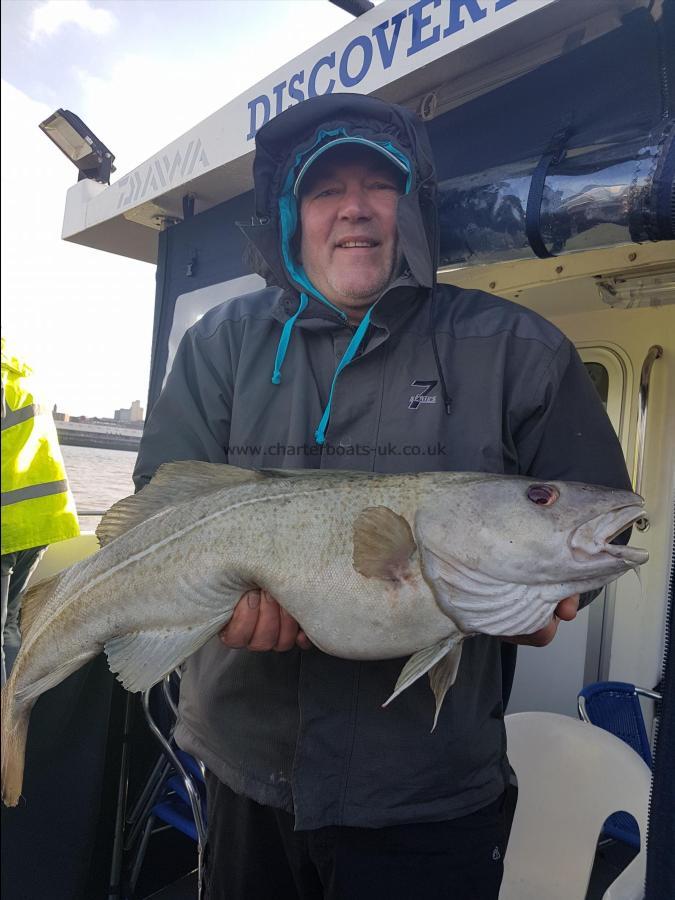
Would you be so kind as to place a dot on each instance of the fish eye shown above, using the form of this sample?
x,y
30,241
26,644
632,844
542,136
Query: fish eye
x,y
543,494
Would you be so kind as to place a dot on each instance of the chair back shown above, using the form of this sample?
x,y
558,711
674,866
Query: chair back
x,y
571,777
615,706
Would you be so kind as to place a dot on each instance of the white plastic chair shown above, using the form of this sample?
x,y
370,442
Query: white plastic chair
x,y
571,777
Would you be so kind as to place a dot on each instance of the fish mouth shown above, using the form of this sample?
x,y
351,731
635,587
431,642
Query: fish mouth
x,y
592,540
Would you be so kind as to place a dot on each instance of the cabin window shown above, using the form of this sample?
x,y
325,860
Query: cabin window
x,y
600,378
190,307
608,370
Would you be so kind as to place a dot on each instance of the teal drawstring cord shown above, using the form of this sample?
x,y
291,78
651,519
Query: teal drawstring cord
x,y
320,433
354,344
285,339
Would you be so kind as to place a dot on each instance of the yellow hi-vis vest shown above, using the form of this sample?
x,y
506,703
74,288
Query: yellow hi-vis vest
x,y
37,505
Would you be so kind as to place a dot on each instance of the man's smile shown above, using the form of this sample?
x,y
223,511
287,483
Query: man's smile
x,y
354,243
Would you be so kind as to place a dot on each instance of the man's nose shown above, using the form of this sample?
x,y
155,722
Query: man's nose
x,y
355,204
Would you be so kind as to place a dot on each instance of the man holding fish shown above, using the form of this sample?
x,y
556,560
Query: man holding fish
x,y
356,353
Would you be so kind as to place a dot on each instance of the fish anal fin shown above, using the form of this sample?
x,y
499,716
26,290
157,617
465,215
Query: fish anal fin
x,y
442,676
142,658
34,600
173,483
383,544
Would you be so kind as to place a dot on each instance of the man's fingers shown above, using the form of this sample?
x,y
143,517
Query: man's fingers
x,y
239,630
288,632
545,635
538,638
568,608
266,632
303,641
259,623
254,624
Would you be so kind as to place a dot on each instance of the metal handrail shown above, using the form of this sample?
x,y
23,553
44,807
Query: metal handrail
x,y
655,352
644,692
192,792
166,687
195,802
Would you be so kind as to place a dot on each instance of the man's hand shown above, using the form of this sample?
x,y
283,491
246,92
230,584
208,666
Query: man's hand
x,y
565,611
259,623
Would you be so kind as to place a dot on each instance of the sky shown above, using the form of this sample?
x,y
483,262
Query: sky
x,y
139,73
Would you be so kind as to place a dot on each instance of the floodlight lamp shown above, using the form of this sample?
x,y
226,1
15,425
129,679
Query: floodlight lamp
x,y
80,145
354,7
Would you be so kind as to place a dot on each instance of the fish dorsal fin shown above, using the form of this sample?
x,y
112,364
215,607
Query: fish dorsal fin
x,y
173,483
34,600
383,544
352,474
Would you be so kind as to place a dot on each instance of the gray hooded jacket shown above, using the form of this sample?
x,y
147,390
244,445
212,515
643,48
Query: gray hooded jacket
x,y
502,390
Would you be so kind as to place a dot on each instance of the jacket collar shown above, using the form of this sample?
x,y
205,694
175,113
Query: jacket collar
x,y
399,298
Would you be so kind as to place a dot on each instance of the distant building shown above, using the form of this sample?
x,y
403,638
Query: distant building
x,y
136,411
133,414
59,416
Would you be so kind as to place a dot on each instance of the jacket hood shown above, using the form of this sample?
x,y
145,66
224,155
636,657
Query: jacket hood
x,y
13,363
285,143
284,146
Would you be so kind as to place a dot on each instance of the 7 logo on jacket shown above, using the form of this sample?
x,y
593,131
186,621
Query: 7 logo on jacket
x,y
422,396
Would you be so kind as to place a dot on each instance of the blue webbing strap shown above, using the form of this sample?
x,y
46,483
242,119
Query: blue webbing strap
x,y
553,155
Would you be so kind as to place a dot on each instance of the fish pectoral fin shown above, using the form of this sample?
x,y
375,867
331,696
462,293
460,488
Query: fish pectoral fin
x,y
442,676
383,544
142,658
424,660
173,483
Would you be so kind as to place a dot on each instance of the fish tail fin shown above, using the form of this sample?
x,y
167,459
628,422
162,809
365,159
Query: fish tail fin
x,y
16,716
14,732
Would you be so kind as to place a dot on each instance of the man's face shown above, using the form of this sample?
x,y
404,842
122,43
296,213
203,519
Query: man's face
x,y
348,229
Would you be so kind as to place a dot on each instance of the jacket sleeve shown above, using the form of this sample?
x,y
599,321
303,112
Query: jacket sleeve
x,y
191,419
568,435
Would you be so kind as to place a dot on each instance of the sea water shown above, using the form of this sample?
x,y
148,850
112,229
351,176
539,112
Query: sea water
x,y
98,478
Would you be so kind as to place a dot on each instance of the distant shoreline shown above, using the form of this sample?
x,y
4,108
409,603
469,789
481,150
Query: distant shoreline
x,y
107,440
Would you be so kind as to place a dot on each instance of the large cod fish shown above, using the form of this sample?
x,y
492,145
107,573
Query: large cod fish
x,y
372,566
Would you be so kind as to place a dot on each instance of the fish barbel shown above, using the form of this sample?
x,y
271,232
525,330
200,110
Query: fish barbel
x,y
371,566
